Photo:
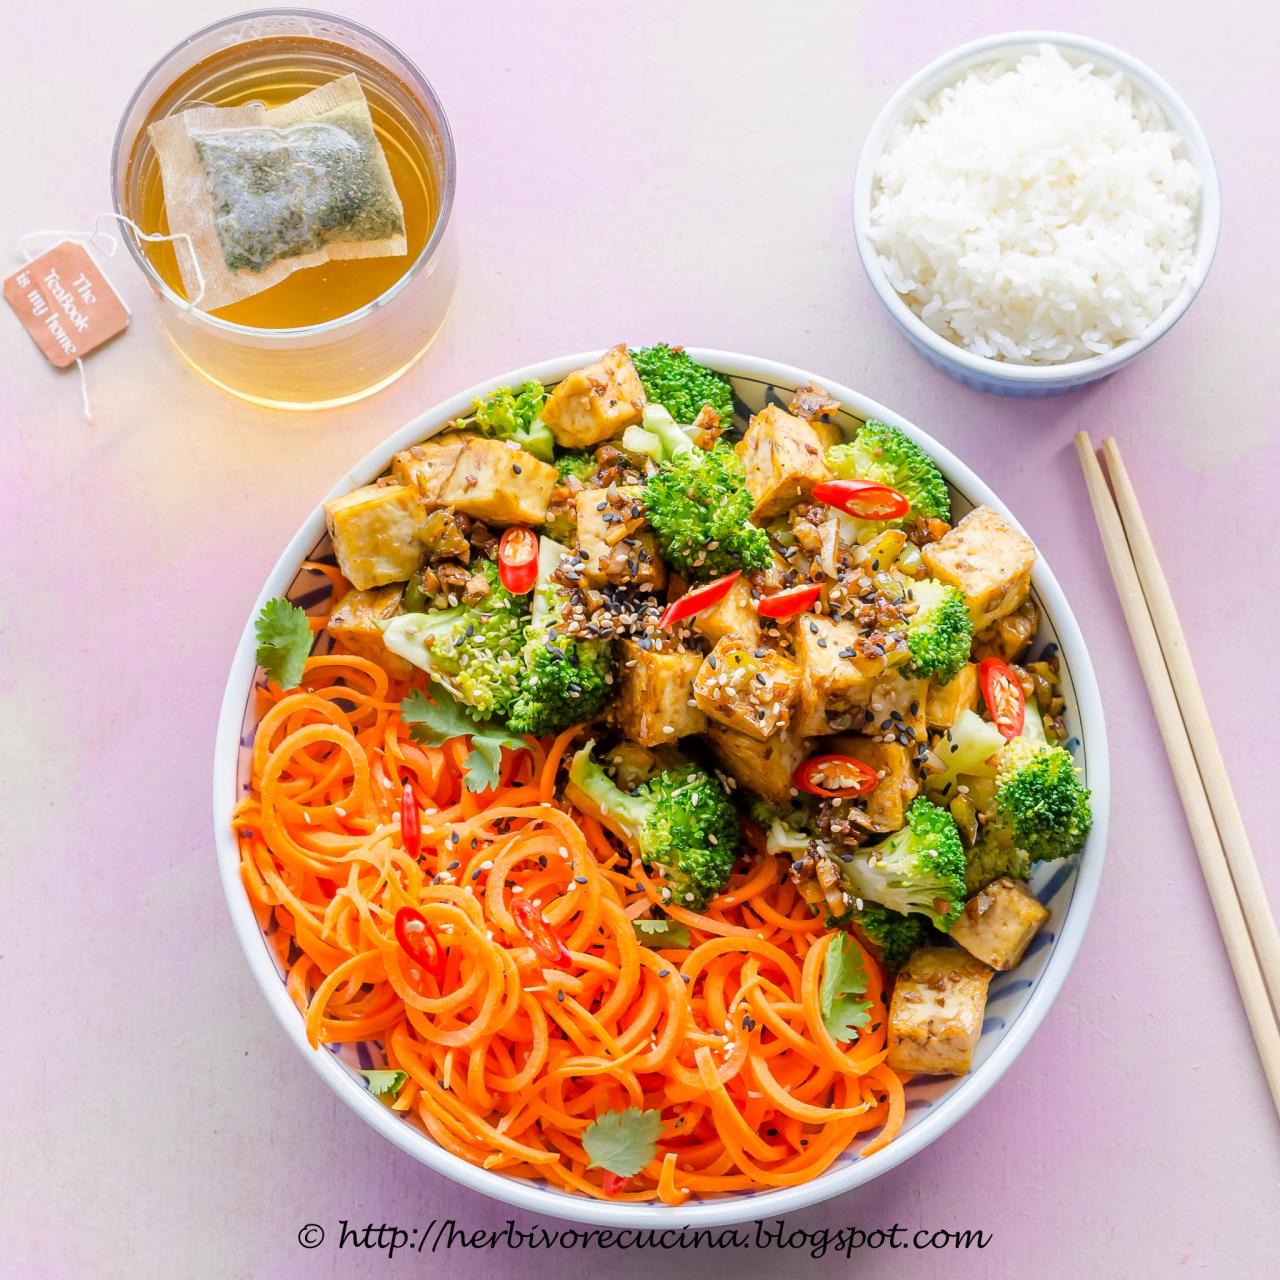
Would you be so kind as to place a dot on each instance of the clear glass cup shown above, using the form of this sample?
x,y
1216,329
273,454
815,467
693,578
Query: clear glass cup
x,y
343,359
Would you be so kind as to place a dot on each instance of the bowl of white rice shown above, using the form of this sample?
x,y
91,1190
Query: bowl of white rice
x,y
1034,210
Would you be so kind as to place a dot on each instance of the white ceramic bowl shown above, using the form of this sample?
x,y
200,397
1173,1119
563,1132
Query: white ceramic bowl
x,y
996,375
1018,1000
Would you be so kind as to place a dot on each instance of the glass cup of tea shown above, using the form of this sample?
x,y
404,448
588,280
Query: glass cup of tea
x,y
329,334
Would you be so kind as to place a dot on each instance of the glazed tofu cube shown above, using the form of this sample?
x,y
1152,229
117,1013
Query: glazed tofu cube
x,y
935,1016
989,559
595,403
493,480
1008,638
745,688
375,531
654,691
354,624
834,690
885,807
763,767
734,615
783,458
999,922
945,702
615,544
898,707
428,466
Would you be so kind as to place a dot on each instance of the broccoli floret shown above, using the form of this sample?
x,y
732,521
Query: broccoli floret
x,y
892,936
1041,800
940,633
994,855
672,378
918,869
473,650
884,455
581,465
681,821
508,414
564,681
700,508
1041,811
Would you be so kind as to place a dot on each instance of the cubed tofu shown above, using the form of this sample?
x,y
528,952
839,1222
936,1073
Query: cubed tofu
x,y
493,480
654,690
615,543
376,533
935,1016
989,559
734,615
945,702
885,807
898,706
1008,638
998,923
833,688
763,767
783,459
354,624
746,688
596,403
428,466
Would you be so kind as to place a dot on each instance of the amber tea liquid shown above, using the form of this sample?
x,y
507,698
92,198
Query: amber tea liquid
x,y
274,70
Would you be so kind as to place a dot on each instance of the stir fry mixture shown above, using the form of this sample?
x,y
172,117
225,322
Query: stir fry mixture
x,y
670,794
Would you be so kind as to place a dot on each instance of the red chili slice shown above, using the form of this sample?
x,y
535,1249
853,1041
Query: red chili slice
x,y
542,938
835,775
518,559
419,942
862,499
410,822
783,604
1003,695
612,1183
698,599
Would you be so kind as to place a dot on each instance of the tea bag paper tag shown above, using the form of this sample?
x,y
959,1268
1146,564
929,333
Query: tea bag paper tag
x,y
67,305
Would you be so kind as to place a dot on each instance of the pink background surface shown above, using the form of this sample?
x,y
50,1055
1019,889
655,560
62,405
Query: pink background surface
x,y
635,171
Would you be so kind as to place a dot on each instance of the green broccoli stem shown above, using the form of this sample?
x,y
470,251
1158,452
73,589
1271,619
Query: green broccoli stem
x,y
592,790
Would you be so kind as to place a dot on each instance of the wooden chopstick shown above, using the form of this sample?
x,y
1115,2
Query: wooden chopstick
x,y
1173,730
1195,715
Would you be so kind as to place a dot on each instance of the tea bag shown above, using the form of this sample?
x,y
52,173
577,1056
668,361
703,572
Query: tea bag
x,y
264,193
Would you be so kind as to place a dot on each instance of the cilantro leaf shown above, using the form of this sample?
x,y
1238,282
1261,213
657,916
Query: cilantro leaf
x,y
435,721
844,986
284,641
385,1084
662,933
622,1141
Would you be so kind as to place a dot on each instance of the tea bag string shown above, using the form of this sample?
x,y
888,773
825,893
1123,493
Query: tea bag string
x,y
109,243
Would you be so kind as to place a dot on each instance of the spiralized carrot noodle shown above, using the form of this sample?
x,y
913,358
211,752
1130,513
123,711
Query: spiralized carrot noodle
x,y
507,1061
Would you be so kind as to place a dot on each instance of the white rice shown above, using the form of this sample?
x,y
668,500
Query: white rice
x,y
1036,212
